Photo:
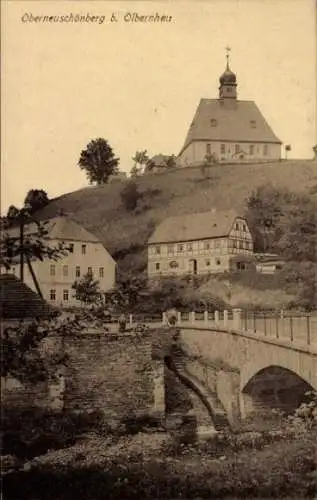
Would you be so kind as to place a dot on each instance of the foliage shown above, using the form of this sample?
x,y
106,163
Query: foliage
x,y
127,470
29,432
284,222
130,196
133,424
140,159
99,161
300,279
304,418
33,246
35,200
12,213
87,289
22,357
128,293
315,151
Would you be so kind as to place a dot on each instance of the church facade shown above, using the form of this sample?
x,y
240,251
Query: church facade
x,y
228,130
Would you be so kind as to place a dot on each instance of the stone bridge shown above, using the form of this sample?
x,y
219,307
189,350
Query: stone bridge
x,y
250,373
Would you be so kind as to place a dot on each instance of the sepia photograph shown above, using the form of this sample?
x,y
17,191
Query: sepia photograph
x,y
158,249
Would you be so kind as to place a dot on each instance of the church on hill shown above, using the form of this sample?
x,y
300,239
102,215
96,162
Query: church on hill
x,y
228,130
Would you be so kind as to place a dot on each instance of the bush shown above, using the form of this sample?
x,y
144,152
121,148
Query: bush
x,y
133,424
273,472
29,432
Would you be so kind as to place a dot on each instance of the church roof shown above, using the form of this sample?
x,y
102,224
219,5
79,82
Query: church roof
x,y
235,121
59,228
197,226
18,301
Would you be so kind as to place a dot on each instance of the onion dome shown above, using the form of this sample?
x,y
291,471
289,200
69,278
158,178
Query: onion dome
x,y
228,77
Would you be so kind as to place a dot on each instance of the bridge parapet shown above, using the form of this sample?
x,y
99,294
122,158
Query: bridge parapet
x,y
294,328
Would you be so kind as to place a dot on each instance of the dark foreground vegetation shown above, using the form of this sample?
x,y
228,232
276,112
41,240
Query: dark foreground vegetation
x,y
146,462
275,471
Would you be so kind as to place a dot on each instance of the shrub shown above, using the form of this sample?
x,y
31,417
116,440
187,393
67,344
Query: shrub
x,y
28,432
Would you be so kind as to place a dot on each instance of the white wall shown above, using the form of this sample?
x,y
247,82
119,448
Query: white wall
x,y
96,257
195,153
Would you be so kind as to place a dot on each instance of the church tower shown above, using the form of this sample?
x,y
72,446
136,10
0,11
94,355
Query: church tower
x,y
228,82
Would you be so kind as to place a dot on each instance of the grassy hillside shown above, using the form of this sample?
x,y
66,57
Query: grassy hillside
x,y
176,192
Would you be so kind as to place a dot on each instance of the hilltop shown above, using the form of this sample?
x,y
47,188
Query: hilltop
x,y
176,192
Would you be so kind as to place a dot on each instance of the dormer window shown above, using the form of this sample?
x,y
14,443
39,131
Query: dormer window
x,y
253,123
213,122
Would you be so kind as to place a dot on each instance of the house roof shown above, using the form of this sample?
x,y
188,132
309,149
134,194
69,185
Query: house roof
x,y
232,122
195,226
18,301
60,228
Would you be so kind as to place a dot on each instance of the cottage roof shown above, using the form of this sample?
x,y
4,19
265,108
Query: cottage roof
x,y
60,228
229,120
195,226
18,301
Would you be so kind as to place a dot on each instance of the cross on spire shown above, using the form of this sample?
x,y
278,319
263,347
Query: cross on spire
x,y
228,49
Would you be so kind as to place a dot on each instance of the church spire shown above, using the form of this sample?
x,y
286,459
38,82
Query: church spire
x,y
228,81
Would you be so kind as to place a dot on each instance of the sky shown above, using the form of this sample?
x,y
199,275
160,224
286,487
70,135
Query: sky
x,y
137,84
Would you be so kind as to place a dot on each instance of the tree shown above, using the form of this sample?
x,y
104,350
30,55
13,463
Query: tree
x,y
130,196
99,161
264,208
284,222
129,292
12,214
35,200
140,160
32,246
288,148
171,161
87,289
315,151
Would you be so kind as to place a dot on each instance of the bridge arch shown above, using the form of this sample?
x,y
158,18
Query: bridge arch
x,y
289,363
265,387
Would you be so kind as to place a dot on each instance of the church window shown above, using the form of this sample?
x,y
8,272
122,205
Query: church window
x,y
189,246
208,149
157,249
213,122
237,226
222,149
170,249
180,247
218,262
244,228
157,266
253,123
251,149
237,148
265,150
206,245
